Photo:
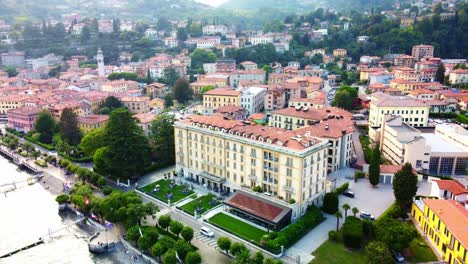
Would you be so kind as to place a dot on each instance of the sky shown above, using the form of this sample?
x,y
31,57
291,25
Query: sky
x,y
212,2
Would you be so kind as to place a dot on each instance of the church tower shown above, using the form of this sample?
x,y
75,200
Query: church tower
x,y
100,63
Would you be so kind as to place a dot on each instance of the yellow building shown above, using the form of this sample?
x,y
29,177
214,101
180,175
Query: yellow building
x,y
156,103
230,155
11,102
136,104
91,122
414,112
221,97
339,53
445,224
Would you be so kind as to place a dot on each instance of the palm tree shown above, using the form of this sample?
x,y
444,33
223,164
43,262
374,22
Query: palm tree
x,y
35,154
346,207
338,215
355,211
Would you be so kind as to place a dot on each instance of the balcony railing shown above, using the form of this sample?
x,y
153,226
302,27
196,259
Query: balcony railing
x,y
288,189
253,177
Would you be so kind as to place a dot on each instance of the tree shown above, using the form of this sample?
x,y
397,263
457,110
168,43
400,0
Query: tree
x,y
149,238
182,34
85,34
440,73
195,30
158,249
236,248
374,167
201,56
206,89
355,211
162,137
11,71
170,76
338,215
169,257
133,233
112,102
330,203
46,126
187,233
182,248
176,227
345,97
28,147
127,149
94,140
68,127
122,75
379,253
405,186
224,243
164,221
168,100
258,258
352,232
182,91
394,233
346,207
242,257
193,258
163,24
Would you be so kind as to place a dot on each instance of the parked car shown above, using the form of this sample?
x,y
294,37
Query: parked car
x,y
366,216
348,193
205,231
398,256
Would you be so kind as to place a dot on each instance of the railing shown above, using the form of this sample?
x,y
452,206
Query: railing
x,y
253,177
288,189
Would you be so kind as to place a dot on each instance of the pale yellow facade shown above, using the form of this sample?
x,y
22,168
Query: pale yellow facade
x,y
216,101
237,162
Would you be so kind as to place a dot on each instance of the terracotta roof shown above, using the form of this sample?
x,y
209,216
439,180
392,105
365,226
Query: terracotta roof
x,y
257,206
222,92
312,113
390,169
256,116
333,128
144,117
453,215
228,109
421,91
453,186
381,99
25,111
93,119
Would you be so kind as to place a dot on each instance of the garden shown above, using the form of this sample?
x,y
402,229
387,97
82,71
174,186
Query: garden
x,y
167,189
238,227
201,204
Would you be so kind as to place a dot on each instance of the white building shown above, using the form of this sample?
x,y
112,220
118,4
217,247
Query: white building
x,y
449,189
209,67
100,63
215,29
171,42
252,99
260,39
246,75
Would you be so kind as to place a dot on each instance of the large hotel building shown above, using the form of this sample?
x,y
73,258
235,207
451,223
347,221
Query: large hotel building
x,y
231,155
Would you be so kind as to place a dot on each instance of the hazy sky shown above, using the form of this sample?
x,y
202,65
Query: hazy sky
x,y
212,2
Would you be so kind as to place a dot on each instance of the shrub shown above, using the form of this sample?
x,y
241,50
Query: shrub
x,y
193,258
342,188
292,201
333,235
169,257
353,232
224,243
107,190
379,253
133,233
62,198
330,203
236,248
257,189
359,175
182,248
101,182
187,233
396,234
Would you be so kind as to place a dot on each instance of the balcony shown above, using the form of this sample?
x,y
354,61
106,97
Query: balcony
x,y
253,178
274,169
270,180
270,158
288,189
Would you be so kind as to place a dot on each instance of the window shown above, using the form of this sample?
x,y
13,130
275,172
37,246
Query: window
x,y
288,172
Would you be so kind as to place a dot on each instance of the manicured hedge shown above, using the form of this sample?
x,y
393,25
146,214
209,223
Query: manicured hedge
x,y
342,188
294,232
353,232
330,203
46,146
79,160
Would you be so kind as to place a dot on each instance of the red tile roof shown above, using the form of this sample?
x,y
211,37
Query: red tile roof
x,y
222,92
452,186
390,169
257,206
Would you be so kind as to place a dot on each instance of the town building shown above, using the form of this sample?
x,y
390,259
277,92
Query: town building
x,y
171,42
443,223
225,65
230,155
449,190
144,120
215,29
414,112
252,99
23,119
91,122
220,97
246,75
458,76
339,53
232,112
119,86
421,51
275,98
249,65
404,60
15,59
136,105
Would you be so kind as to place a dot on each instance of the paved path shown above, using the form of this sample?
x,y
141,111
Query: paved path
x,y
358,147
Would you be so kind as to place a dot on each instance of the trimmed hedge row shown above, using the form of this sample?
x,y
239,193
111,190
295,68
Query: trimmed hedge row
x,y
294,232
342,188
93,177
79,160
46,146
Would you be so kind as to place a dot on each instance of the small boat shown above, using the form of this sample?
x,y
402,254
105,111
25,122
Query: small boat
x,y
100,248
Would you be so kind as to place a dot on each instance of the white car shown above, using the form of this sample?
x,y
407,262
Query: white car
x,y
205,231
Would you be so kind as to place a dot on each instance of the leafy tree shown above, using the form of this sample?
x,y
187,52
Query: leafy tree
x,y
353,232
11,71
127,150
112,102
224,243
405,186
85,34
236,248
158,250
133,233
169,257
201,56
164,221
345,97
330,203
258,258
162,137
187,233
122,75
338,215
182,248
176,227
68,127
104,111
374,167
206,89
440,73
242,257
379,253
170,76
195,30
163,24
149,238
182,34
93,141
193,258
396,234
346,207
46,126
168,100
182,91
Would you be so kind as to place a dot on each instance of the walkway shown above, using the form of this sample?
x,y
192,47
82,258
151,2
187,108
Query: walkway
x,y
358,147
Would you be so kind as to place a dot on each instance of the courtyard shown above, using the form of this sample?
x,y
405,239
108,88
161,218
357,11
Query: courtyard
x,y
201,204
167,190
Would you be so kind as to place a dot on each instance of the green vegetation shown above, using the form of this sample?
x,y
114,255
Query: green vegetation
x,y
182,91
203,203
378,253
68,127
163,148
237,227
167,189
345,98
374,167
366,147
405,186
421,252
330,203
331,252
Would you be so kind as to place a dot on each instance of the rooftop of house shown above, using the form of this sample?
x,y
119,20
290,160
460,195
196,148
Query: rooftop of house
x,y
144,118
93,119
25,111
390,169
229,109
222,92
382,100
454,215
452,186
312,113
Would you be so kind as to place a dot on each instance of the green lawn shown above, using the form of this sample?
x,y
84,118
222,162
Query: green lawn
x,y
336,253
203,202
237,227
165,189
421,251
